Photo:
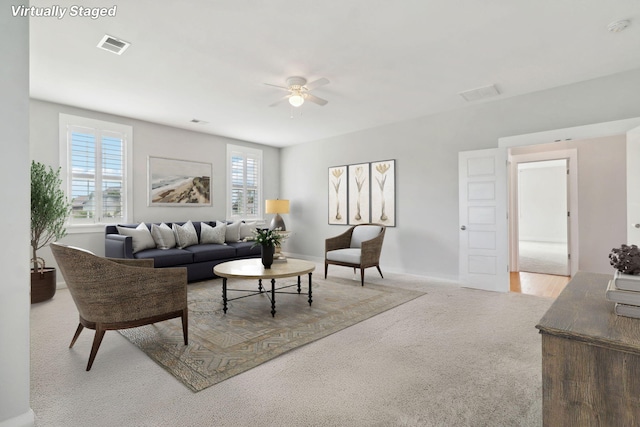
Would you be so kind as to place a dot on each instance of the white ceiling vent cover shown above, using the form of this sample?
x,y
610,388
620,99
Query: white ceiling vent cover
x,y
480,93
113,44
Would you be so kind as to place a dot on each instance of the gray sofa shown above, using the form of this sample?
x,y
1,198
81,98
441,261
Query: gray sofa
x,y
199,259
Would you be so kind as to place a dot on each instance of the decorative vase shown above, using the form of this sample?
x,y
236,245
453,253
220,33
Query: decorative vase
x,y
43,285
267,256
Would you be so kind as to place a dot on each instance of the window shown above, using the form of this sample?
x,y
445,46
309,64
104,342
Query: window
x,y
93,158
244,182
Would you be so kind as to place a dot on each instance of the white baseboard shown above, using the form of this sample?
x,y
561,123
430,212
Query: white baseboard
x,y
23,420
444,280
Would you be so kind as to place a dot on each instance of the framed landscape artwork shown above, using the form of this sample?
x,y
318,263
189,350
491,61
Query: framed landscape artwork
x,y
338,195
383,192
359,184
175,182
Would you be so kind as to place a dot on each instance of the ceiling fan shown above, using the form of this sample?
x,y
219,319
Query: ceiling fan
x,y
299,91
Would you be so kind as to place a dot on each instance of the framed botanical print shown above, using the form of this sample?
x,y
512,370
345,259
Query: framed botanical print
x,y
383,192
338,210
359,184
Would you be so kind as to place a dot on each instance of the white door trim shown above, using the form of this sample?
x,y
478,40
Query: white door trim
x,y
596,130
633,180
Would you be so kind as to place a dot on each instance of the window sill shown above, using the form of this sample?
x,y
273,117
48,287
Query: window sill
x,y
86,228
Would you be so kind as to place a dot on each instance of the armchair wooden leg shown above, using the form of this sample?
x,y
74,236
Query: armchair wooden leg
x,y
97,340
361,276
185,326
75,337
379,271
326,268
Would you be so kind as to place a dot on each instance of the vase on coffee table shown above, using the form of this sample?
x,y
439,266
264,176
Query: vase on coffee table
x,y
267,255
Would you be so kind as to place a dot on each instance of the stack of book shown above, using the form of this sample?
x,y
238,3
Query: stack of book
x,y
278,257
624,290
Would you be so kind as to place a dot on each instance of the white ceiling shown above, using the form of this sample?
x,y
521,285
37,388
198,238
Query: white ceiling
x,y
387,61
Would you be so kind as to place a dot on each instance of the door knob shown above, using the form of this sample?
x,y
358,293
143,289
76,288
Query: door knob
x,y
464,227
636,225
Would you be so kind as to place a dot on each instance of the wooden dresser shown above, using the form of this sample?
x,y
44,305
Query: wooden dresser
x,y
590,358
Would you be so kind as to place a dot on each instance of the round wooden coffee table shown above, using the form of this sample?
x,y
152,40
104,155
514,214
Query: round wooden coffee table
x,y
253,269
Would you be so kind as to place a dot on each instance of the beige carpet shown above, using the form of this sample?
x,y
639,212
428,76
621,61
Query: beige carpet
x,y
453,357
223,345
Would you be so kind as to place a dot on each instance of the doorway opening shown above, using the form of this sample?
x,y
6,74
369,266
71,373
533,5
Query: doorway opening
x,y
543,239
540,220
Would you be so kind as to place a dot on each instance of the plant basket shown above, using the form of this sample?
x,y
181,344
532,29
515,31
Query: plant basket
x,y
43,284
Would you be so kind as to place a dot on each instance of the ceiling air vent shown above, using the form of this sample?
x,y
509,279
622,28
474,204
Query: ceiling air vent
x,y
480,93
113,44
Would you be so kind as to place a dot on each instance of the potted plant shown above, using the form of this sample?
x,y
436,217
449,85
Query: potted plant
x,y
267,239
49,211
626,259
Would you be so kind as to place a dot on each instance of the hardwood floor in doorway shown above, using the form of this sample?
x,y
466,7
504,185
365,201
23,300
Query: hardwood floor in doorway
x,y
544,285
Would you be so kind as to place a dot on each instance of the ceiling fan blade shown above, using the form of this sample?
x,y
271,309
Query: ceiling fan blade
x,y
279,87
316,83
280,100
315,99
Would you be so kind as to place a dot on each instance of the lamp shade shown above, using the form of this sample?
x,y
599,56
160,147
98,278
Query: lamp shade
x,y
276,206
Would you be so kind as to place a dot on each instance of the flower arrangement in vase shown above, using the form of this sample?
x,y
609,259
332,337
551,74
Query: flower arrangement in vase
x,y
267,239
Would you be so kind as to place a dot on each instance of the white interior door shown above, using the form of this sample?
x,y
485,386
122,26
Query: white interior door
x,y
483,233
633,186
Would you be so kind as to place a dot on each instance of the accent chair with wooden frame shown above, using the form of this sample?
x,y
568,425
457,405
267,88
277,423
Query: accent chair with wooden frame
x,y
112,294
358,247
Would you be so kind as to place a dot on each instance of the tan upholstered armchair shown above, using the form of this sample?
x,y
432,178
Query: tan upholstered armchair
x,y
113,294
358,247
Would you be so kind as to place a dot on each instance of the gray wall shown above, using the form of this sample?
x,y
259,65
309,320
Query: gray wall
x,y
14,193
602,200
425,241
149,139
602,196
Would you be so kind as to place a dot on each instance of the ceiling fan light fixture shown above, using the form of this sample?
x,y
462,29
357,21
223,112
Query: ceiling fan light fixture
x,y
296,99
299,91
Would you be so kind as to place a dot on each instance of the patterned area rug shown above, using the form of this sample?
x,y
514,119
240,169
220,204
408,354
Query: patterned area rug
x,y
223,345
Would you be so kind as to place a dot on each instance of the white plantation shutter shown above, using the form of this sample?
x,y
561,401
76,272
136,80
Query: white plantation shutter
x,y
96,173
245,180
113,184
83,177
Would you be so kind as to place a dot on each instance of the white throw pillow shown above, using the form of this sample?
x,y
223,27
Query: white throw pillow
x,y
209,234
233,232
247,229
185,235
140,236
163,236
